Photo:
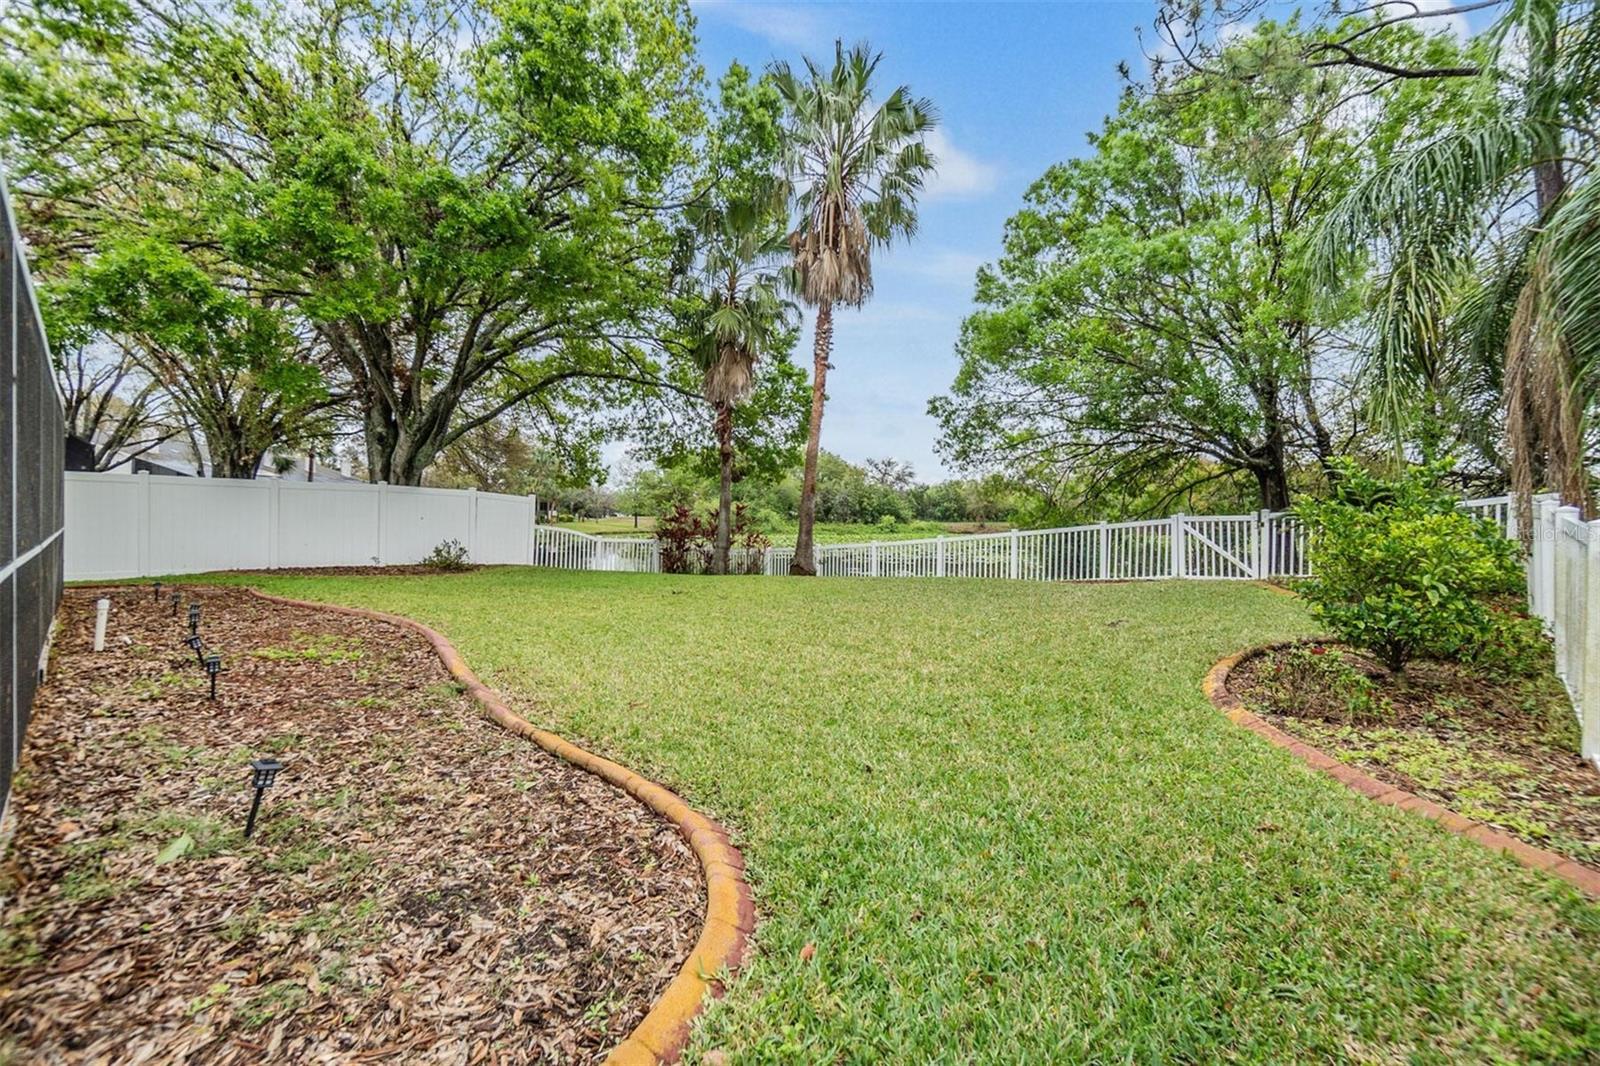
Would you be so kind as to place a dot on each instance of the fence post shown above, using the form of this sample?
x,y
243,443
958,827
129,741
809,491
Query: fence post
x,y
1544,548
1562,602
533,524
1015,572
939,557
1263,529
274,521
383,518
1589,698
142,531
872,559
1104,572
1177,544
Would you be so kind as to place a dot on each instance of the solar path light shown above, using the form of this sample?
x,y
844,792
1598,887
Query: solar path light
x,y
177,600
213,665
194,617
198,646
262,773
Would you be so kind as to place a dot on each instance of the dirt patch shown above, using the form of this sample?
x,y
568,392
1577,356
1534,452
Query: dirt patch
x,y
1500,750
422,886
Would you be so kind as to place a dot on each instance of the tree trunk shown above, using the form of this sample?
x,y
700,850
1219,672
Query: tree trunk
x,y
804,563
719,558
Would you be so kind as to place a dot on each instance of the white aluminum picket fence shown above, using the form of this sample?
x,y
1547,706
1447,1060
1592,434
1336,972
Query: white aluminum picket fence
x,y
1564,591
1267,544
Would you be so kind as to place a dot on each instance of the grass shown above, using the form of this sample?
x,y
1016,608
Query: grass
x,y
825,532
1014,830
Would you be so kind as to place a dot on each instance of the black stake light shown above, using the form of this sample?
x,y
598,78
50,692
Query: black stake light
x,y
158,592
194,617
198,646
213,665
177,601
262,773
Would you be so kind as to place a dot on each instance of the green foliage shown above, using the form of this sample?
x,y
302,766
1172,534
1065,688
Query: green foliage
x,y
442,200
1514,645
1401,570
1151,327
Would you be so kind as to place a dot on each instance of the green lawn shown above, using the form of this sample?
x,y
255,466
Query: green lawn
x,y
1014,829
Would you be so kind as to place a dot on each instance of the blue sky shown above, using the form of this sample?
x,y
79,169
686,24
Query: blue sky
x,y
1017,86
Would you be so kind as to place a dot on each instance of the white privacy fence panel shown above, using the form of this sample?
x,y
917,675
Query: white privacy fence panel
x,y
143,525
1564,592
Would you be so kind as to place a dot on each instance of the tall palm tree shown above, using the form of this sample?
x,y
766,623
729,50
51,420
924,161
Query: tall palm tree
x,y
1489,240
856,170
746,315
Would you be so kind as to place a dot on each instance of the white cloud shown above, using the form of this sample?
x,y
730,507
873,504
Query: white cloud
x,y
786,24
959,174
1455,23
946,266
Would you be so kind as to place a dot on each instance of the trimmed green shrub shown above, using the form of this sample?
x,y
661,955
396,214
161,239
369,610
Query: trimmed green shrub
x,y
1401,571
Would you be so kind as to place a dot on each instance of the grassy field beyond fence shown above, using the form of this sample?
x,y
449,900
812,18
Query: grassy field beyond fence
x,y
1013,829
783,537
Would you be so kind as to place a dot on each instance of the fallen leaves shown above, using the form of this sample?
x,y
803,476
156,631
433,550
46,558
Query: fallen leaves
x,y
422,885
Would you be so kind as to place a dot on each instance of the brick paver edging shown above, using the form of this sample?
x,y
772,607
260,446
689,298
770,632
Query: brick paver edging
x,y
730,910
1585,878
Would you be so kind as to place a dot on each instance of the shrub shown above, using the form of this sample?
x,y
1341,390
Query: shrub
x,y
1400,570
447,556
688,541
1320,682
1515,645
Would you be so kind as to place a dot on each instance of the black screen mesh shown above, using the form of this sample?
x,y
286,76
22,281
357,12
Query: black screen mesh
x,y
32,442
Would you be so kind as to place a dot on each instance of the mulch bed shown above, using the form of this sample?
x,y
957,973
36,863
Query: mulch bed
x,y
1500,750
423,886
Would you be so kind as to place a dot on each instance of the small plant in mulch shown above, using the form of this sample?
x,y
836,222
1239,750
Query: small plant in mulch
x,y
447,557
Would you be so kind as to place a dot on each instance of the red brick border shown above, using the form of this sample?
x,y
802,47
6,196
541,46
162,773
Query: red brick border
x,y
730,909
1585,878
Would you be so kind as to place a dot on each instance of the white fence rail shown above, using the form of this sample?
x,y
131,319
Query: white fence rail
x,y
143,525
1564,591
1225,547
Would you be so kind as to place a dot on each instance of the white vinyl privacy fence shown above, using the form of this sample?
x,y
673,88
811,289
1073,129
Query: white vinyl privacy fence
x,y
1564,591
144,525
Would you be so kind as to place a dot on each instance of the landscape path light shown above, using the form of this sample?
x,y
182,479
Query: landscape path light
x,y
213,665
177,600
158,592
194,617
262,774
198,646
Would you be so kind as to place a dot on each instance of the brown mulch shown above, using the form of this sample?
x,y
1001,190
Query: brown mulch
x,y
422,887
1501,750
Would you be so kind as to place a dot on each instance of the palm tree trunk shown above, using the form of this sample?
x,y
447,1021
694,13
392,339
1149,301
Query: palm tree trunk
x,y
804,563
719,558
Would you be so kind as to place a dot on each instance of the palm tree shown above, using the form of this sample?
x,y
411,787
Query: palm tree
x,y
1489,239
856,170
745,318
